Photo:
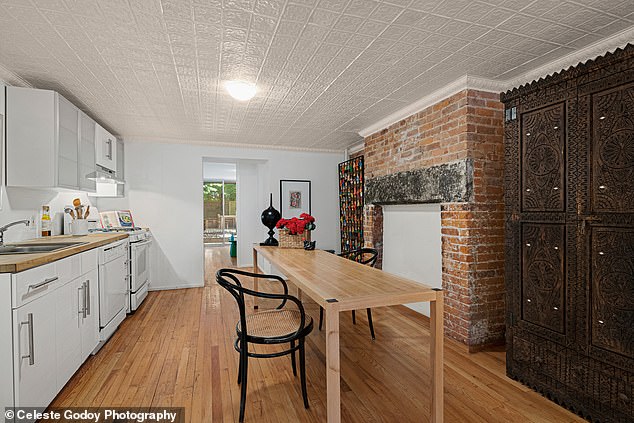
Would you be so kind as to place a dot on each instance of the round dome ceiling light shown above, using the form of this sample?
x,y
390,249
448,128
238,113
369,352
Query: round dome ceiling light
x,y
240,90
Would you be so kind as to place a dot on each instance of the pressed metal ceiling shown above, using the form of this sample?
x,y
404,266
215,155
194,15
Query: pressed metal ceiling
x,y
154,69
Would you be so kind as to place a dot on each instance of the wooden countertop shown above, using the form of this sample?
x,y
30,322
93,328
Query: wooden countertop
x,y
13,263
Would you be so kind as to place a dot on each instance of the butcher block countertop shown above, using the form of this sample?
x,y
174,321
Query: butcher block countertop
x,y
13,263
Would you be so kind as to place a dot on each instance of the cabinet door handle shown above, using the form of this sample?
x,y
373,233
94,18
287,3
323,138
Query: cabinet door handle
x,y
44,282
109,154
87,296
30,355
81,300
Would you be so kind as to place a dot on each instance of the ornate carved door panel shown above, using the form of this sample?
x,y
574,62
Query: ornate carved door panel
x,y
613,150
543,134
612,290
543,275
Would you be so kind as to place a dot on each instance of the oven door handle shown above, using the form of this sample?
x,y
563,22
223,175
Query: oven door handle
x,y
113,246
142,243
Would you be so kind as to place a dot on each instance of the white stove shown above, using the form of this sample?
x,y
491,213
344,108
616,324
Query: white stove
x,y
139,263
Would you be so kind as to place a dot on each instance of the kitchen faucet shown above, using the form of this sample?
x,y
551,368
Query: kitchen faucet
x,y
7,226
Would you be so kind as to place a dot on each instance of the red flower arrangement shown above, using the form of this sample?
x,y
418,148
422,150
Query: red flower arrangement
x,y
297,225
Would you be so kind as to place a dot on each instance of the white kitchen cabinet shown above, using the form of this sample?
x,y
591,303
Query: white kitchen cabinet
x,y
42,139
34,359
76,324
87,159
89,319
68,147
6,346
53,319
120,168
106,149
69,302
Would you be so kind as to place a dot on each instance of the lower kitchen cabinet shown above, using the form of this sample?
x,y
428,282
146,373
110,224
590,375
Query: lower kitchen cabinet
x,y
89,320
76,326
69,299
35,358
53,312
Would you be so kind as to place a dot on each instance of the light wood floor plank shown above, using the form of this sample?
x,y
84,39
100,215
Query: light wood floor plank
x,y
177,350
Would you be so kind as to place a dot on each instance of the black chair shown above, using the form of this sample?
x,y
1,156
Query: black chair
x,y
367,256
278,326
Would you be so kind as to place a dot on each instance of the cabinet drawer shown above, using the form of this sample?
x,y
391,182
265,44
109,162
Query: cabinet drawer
x,y
69,268
88,261
33,283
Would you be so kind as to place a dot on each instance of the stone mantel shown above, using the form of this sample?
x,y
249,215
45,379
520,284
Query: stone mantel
x,y
444,183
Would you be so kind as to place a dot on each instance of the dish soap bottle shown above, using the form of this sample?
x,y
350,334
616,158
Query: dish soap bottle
x,y
46,221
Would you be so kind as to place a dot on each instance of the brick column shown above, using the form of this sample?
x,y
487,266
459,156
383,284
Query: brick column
x,y
467,126
373,230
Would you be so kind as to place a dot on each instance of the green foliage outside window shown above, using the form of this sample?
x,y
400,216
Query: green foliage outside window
x,y
213,191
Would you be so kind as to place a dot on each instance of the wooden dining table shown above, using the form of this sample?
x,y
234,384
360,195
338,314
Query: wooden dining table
x,y
338,284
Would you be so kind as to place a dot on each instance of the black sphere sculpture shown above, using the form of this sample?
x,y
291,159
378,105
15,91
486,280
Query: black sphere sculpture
x,y
270,217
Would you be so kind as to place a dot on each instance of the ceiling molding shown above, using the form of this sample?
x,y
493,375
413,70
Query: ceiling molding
x,y
229,145
356,148
592,51
463,83
600,48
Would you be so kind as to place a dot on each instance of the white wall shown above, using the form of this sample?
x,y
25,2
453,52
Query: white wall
x,y
249,198
164,192
214,171
20,203
412,245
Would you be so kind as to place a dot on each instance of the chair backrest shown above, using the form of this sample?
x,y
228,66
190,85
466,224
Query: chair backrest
x,y
229,280
367,256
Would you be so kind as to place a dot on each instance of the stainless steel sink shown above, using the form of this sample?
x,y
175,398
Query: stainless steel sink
x,y
36,247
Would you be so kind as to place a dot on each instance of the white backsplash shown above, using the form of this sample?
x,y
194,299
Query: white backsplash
x,y
21,203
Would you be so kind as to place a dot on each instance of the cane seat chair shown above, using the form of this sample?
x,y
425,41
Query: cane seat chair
x,y
283,325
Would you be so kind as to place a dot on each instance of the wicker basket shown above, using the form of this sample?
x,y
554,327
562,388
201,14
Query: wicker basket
x,y
293,241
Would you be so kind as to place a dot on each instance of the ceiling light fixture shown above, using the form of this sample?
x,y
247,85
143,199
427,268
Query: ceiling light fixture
x,y
240,90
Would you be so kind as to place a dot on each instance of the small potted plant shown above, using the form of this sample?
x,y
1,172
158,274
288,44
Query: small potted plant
x,y
296,230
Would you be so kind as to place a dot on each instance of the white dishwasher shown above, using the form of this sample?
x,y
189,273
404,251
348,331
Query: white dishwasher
x,y
113,287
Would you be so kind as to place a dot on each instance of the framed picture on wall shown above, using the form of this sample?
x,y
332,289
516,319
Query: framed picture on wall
x,y
294,197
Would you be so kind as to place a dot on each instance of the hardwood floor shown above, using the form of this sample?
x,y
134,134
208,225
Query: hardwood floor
x,y
177,350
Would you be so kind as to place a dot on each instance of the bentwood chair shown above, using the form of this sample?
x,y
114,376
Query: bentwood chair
x,y
282,325
364,256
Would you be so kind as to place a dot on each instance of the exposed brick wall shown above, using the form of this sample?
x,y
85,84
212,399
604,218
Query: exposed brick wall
x,y
469,124
433,136
373,230
356,154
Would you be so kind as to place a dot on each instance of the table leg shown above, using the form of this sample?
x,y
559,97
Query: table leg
x,y
256,269
333,393
437,328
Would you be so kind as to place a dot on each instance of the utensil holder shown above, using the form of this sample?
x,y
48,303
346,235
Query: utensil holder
x,y
79,227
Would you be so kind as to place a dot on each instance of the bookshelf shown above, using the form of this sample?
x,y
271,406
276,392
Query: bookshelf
x,y
351,203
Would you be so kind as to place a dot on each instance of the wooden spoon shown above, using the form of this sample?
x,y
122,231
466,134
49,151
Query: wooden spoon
x,y
87,212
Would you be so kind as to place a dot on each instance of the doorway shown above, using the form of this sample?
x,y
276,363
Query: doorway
x,y
219,204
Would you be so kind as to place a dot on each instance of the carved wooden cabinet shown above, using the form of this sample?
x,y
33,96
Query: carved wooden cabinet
x,y
569,193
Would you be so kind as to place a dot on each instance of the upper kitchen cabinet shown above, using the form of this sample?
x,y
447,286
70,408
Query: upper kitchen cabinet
x,y
106,145
120,171
87,154
42,137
